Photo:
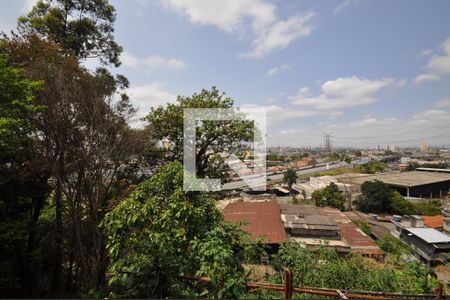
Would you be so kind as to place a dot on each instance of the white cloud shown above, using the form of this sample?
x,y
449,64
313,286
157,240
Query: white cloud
x,y
426,77
428,114
426,52
258,17
277,114
437,65
151,62
276,70
343,5
280,35
443,103
343,92
144,97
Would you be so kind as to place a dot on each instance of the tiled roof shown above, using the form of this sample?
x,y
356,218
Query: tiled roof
x,y
433,221
263,217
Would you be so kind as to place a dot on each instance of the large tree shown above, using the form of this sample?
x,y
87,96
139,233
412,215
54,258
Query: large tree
x,y
23,184
214,139
329,196
290,177
85,27
376,197
84,138
161,231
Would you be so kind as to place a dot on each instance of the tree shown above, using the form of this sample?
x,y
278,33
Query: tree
x,y
376,197
304,195
348,159
24,185
400,205
289,178
374,167
214,139
84,139
161,231
329,196
85,27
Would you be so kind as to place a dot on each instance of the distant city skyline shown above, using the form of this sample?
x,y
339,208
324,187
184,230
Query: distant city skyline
x,y
368,72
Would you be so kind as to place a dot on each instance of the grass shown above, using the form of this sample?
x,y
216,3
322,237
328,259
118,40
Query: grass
x,y
338,171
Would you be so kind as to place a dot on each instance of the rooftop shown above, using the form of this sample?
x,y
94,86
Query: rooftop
x,y
430,235
405,179
263,217
433,221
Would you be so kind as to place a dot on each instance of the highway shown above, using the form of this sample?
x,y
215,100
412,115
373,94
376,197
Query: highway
x,y
240,184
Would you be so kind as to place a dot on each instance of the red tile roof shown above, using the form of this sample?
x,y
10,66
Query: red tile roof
x,y
263,217
433,221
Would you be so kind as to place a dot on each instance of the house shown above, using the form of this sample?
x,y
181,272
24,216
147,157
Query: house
x,y
429,245
262,220
313,226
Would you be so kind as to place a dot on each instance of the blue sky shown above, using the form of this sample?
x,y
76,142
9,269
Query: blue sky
x,y
368,72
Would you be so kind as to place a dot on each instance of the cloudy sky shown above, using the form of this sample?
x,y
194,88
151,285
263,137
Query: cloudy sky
x,y
367,72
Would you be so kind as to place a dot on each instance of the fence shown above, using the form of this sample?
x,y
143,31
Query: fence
x,y
288,290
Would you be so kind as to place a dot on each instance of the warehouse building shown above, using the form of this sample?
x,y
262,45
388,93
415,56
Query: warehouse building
x,y
418,184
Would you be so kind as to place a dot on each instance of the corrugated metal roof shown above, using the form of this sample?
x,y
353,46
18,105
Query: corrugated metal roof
x,y
430,235
263,217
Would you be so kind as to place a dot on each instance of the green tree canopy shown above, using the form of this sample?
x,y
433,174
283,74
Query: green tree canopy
x,y
376,197
214,139
400,205
85,27
290,177
329,196
161,231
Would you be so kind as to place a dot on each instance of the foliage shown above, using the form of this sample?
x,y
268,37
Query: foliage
x,y
85,27
24,188
325,268
393,245
400,205
329,196
290,177
348,159
374,167
213,138
428,207
364,226
161,231
376,197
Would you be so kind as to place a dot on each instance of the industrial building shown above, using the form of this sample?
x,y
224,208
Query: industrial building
x,y
418,184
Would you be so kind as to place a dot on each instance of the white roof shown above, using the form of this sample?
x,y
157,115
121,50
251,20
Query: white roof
x,y
430,235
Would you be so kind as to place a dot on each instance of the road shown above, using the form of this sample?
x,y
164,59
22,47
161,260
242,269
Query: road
x,y
240,184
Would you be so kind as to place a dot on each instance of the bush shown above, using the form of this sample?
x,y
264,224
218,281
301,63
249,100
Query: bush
x,y
325,268
393,245
430,207
364,226
401,206
329,196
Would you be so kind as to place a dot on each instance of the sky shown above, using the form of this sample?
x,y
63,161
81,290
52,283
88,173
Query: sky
x,y
366,72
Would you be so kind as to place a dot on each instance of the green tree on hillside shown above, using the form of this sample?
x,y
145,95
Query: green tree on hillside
x,y
161,231
290,177
329,196
214,139
85,27
376,197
